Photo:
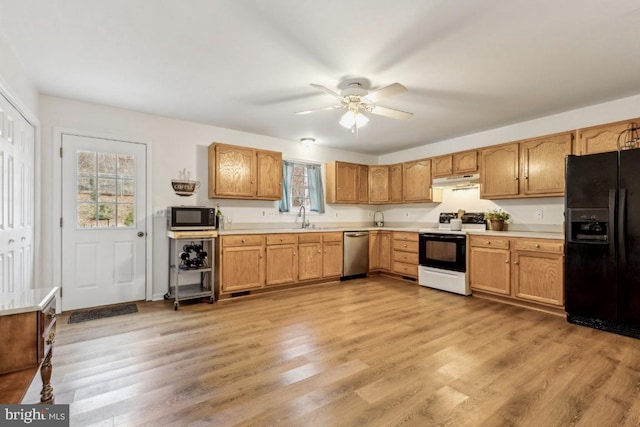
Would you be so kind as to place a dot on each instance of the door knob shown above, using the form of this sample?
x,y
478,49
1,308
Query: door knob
x,y
140,233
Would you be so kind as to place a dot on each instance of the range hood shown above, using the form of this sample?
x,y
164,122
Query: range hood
x,y
459,181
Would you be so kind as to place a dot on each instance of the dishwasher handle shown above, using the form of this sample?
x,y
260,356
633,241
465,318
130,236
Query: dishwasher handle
x,y
355,234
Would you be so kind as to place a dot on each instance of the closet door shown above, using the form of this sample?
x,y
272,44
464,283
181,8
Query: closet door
x,y
17,157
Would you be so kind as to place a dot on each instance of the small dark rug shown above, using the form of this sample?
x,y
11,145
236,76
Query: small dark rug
x,y
101,313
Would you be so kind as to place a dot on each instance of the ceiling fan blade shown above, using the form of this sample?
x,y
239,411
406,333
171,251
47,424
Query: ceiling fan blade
x,y
335,107
325,90
390,112
385,92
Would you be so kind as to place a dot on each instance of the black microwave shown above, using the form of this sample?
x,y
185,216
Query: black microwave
x,y
191,218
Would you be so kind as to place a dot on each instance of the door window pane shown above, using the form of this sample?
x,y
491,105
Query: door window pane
x,y
105,190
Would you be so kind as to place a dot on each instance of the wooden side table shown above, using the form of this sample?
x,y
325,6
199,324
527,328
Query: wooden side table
x,y
28,328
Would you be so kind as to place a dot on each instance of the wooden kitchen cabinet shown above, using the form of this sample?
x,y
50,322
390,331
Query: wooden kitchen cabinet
x,y
395,183
282,259
363,184
244,173
464,162
490,264
405,254
320,255
242,263
379,251
530,270
379,184
602,138
530,168
538,271
500,171
416,181
343,182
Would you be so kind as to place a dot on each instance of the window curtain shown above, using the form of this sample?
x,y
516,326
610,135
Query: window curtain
x,y
316,196
287,171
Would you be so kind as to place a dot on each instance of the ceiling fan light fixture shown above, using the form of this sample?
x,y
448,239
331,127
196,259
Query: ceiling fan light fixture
x,y
353,119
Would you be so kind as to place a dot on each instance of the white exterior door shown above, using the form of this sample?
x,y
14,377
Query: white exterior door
x,y
17,158
103,221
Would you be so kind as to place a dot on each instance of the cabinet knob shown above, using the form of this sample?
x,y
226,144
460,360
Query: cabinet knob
x,y
319,251
281,239
11,241
515,262
243,240
294,254
404,245
488,242
516,178
537,246
506,261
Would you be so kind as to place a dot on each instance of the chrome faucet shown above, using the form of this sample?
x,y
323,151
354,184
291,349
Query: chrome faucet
x,y
303,213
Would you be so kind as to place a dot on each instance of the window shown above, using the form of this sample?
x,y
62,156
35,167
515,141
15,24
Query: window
x,y
301,186
105,186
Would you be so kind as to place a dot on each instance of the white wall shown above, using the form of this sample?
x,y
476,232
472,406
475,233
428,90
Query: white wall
x,y
176,145
15,81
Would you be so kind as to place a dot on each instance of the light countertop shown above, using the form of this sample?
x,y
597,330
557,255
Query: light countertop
x,y
26,301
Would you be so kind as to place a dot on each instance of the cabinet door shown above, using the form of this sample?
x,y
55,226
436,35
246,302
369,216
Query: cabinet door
x,y
282,264
269,175
395,183
346,182
379,250
489,270
543,164
416,179
309,261
538,276
379,189
233,171
465,162
442,166
242,268
332,259
600,139
500,171
363,184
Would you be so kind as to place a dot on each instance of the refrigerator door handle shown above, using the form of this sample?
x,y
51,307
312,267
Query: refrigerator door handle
x,y
612,221
622,225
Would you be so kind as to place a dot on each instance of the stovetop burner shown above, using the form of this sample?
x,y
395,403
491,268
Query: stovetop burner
x,y
467,218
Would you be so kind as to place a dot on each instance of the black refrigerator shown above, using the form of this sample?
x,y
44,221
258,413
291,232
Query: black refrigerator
x,y
602,241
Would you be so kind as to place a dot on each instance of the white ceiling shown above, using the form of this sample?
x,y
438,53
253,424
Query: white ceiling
x,y
247,64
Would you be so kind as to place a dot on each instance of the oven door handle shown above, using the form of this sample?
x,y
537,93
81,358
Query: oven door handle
x,y
441,272
450,237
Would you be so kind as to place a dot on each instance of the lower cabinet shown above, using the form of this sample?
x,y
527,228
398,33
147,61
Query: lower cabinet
x,y
379,251
282,260
242,263
258,261
405,254
525,269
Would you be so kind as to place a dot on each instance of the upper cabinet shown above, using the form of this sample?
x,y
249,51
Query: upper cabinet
x,y
530,168
416,181
346,182
602,138
465,162
363,184
379,184
244,173
395,183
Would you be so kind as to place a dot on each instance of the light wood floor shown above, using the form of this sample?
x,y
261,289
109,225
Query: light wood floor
x,y
374,352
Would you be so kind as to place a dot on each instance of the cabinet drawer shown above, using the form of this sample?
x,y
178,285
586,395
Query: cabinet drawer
x,y
280,239
408,257
405,269
245,240
402,245
309,237
332,237
401,235
539,245
489,242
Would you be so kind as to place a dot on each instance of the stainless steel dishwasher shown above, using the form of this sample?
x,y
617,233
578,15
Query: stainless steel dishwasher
x,y
355,254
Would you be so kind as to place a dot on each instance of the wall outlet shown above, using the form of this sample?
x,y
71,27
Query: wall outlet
x,y
369,214
406,214
159,212
264,213
538,214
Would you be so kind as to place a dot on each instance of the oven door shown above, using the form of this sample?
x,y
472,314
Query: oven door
x,y
444,251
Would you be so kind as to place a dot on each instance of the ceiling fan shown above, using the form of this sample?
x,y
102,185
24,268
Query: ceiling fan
x,y
356,99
